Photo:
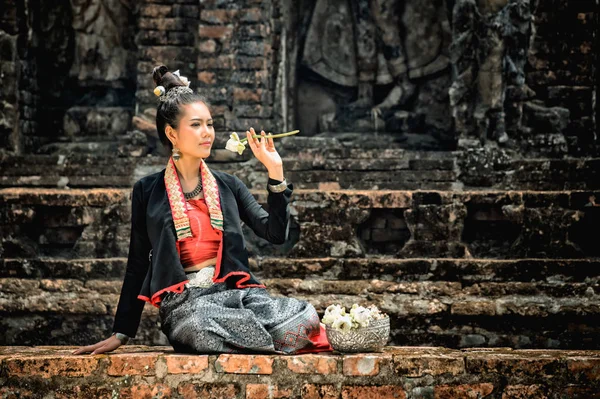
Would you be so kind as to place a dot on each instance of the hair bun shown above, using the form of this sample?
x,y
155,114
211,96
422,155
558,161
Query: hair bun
x,y
158,72
162,77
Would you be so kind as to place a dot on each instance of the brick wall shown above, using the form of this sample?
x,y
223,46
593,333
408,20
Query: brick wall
x,y
562,67
225,48
398,372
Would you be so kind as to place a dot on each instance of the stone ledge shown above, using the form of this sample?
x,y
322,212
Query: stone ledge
x,y
397,372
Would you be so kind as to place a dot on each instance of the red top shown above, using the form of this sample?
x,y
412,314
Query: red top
x,y
206,243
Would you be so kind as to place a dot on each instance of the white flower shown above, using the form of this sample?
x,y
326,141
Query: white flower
x,y
328,319
343,324
182,78
234,144
361,315
335,310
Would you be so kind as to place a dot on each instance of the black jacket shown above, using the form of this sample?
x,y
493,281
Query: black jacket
x,y
153,263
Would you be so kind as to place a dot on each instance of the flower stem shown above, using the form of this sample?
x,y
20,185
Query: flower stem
x,y
274,136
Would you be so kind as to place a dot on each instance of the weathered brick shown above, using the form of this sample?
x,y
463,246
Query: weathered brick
x,y
81,391
244,364
132,364
312,364
186,11
177,24
580,392
363,364
47,366
524,392
265,391
217,17
514,365
152,37
239,124
207,46
250,63
474,391
252,31
183,364
379,392
419,365
468,308
182,54
155,10
215,31
255,78
315,391
209,78
220,62
16,393
253,48
251,15
208,390
253,111
146,391
180,38
584,368
247,95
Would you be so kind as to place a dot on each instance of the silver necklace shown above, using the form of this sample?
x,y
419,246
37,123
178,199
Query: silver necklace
x,y
195,191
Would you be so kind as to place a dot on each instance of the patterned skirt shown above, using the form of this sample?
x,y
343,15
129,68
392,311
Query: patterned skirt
x,y
216,319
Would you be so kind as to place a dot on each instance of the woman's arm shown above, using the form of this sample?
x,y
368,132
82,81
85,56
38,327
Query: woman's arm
x,y
129,309
273,226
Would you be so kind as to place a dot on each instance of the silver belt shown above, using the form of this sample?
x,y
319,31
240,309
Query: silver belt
x,y
201,278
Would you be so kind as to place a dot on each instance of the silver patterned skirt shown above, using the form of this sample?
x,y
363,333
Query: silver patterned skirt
x,y
210,318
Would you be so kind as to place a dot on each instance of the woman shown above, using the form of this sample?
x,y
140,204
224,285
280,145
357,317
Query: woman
x,y
187,255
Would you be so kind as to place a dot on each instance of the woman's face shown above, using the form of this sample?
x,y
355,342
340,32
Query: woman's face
x,y
196,133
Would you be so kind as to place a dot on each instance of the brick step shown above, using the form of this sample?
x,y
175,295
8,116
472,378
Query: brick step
x,y
400,300
312,168
542,314
396,372
81,223
403,298
521,274
563,330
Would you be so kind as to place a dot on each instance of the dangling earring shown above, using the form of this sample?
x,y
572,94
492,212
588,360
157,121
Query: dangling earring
x,y
176,154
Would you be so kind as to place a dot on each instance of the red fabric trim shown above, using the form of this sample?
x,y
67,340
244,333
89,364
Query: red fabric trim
x,y
155,300
319,343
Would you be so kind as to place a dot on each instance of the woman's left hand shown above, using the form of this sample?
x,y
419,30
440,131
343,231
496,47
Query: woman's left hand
x,y
264,149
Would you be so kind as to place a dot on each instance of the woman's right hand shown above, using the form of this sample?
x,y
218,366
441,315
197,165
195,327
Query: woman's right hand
x,y
109,344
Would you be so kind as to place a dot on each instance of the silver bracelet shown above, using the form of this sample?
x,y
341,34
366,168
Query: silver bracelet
x,y
277,188
121,337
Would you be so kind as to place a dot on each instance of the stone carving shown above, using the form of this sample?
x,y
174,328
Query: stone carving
x,y
489,52
366,43
102,37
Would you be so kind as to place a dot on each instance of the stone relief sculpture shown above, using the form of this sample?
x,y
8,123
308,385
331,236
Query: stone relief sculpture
x,y
102,39
365,43
489,52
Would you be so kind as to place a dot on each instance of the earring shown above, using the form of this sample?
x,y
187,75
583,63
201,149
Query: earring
x,y
176,154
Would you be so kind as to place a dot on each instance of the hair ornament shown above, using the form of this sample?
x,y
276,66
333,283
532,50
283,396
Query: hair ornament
x,y
159,91
182,78
175,92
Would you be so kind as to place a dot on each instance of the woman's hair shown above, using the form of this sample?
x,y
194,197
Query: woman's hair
x,y
169,111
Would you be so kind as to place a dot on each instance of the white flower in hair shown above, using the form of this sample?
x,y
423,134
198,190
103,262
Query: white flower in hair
x,y
182,78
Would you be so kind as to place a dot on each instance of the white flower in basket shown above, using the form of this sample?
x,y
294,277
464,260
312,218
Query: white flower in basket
x,y
362,329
